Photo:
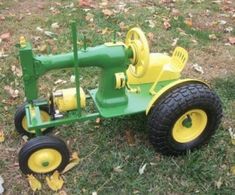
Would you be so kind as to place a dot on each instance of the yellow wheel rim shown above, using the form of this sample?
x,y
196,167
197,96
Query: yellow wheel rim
x,y
44,160
44,116
136,40
189,126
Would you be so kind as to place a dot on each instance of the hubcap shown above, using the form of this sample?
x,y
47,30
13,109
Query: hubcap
x,y
44,160
44,116
189,126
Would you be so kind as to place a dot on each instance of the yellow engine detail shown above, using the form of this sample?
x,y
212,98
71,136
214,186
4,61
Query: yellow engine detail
x,y
65,99
120,80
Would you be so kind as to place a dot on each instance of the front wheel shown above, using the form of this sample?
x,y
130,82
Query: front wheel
x,y
184,119
43,154
20,120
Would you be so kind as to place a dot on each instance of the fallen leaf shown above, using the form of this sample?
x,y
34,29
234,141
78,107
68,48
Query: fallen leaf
x,y
219,183
231,40
175,12
2,136
232,135
233,170
62,192
39,29
150,36
118,169
222,22
12,92
55,182
198,68
72,79
151,23
85,3
74,161
107,12
122,26
142,168
2,54
2,18
130,137
25,138
97,121
49,34
89,17
16,71
1,185
188,22
228,29
174,42
212,37
60,81
42,48
55,25
166,24
5,36
34,183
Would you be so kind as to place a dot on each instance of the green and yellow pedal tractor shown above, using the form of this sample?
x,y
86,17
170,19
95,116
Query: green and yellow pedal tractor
x,y
182,114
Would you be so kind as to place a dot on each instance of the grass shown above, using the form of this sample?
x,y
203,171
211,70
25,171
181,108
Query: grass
x,y
109,165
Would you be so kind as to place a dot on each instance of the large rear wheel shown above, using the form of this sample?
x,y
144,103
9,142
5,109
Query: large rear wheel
x,y
184,119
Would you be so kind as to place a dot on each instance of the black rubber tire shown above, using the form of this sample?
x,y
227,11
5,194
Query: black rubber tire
x,y
20,114
174,104
43,142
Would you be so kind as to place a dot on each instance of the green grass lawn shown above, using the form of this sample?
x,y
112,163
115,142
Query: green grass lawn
x,y
109,165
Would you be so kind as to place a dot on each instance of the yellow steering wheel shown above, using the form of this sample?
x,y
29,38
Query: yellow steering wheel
x,y
136,40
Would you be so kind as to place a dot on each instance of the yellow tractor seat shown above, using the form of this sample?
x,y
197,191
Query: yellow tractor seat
x,y
168,67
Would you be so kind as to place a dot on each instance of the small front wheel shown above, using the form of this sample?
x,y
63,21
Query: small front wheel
x,y
21,121
184,119
43,154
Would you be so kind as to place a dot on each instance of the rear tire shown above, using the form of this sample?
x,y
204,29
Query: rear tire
x,y
184,119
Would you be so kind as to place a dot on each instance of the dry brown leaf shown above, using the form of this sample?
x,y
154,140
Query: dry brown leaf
x,y
62,192
74,161
16,71
167,25
233,170
89,17
2,18
55,181
150,36
189,22
212,37
98,120
86,3
175,12
12,92
142,168
34,183
231,40
2,136
218,183
118,169
122,26
5,36
130,137
107,12
55,25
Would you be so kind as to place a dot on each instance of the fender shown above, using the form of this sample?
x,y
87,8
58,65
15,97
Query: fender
x,y
169,87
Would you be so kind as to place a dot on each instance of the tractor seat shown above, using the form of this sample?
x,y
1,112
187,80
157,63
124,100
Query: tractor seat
x,y
160,63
